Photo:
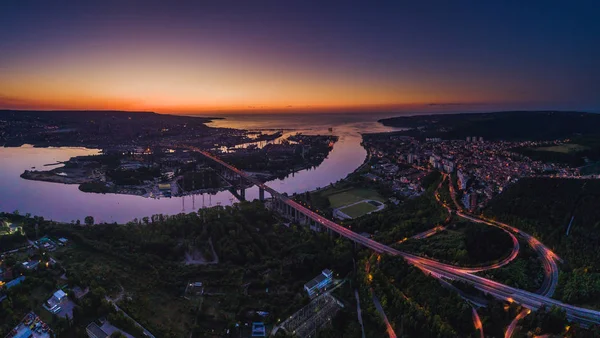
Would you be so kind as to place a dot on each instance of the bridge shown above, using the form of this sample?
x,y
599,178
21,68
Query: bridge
x,y
499,291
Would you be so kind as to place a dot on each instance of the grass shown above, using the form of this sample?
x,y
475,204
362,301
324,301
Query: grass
x,y
340,198
563,148
358,209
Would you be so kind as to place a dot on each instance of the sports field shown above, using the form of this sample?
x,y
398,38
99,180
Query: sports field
x,y
340,198
358,209
563,148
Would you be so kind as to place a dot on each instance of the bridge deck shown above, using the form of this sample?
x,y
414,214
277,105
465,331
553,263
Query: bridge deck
x,y
498,290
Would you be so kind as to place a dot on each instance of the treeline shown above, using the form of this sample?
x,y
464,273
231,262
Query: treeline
x,y
262,264
548,209
511,125
525,272
133,176
589,151
416,305
410,217
12,241
464,243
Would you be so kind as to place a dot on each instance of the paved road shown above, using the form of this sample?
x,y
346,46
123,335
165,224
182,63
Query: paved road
x,y
477,323
389,328
511,327
358,309
114,303
546,255
495,289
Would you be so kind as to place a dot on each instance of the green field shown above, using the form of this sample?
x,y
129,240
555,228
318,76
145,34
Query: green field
x,y
358,209
563,148
340,198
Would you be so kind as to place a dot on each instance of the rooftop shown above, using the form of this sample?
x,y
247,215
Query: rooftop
x,y
258,329
325,274
96,331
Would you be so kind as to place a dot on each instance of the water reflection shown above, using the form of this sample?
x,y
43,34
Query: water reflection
x,y
65,202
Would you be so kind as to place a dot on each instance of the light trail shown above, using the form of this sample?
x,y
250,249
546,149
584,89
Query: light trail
x,y
477,323
500,291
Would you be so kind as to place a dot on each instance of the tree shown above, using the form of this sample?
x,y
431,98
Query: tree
x,y
89,220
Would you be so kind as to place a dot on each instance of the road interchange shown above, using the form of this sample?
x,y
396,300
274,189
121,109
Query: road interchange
x,y
500,291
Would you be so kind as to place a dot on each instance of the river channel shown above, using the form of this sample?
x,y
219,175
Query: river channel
x,y
63,202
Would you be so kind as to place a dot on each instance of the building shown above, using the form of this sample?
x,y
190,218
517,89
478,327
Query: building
x,y
466,200
31,265
59,295
462,180
165,189
473,203
258,329
319,283
53,303
14,282
195,288
94,331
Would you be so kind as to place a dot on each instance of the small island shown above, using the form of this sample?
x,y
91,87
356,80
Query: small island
x,y
165,172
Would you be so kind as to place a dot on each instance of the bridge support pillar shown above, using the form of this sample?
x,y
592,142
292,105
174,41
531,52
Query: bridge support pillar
x,y
261,194
243,193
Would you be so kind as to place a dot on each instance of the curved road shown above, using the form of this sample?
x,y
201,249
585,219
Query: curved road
x,y
495,289
548,257
516,247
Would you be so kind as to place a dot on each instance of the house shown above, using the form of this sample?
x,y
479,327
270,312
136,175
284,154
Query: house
x,y
59,295
165,189
258,329
195,288
53,304
15,282
319,283
63,241
30,265
94,331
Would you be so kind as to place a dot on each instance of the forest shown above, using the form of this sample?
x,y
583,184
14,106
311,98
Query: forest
x,y
416,305
463,244
564,215
262,265
508,126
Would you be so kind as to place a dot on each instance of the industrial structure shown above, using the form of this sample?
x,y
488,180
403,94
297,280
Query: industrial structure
x,y
319,283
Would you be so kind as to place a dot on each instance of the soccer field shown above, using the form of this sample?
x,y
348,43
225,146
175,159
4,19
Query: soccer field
x,y
339,199
358,209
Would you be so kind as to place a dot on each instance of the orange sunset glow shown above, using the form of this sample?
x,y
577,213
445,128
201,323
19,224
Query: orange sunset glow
x,y
194,57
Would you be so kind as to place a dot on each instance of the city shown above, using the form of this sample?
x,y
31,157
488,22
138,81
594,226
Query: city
x,y
299,169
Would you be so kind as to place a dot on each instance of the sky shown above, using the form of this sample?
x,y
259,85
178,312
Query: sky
x,y
287,56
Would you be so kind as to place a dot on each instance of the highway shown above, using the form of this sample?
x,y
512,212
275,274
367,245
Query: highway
x,y
516,247
548,257
477,323
500,291
511,327
388,327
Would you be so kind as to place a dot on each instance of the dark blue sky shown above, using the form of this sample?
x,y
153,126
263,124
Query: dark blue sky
x,y
226,55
